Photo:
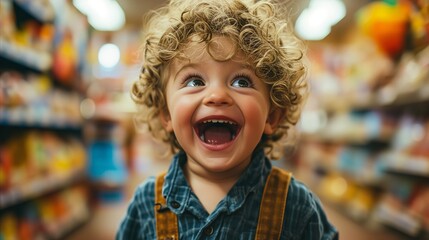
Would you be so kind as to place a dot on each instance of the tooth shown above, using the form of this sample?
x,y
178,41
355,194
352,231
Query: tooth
x,y
219,121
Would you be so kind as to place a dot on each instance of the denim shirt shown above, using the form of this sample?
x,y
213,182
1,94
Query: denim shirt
x,y
235,217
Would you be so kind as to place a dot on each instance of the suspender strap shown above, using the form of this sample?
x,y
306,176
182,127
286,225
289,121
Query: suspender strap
x,y
273,205
166,220
271,213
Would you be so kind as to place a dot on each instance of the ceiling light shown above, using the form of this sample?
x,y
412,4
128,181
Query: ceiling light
x,y
109,55
315,22
310,27
329,11
103,15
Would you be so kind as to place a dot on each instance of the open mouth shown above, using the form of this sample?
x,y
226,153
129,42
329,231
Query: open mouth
x,y
217,132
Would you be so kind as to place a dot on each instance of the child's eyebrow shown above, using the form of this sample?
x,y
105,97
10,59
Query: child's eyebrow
x,y
184,67
194,65
248,66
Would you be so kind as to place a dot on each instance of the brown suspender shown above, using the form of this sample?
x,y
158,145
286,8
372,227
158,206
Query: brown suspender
x,y
166,220
273,205
271,213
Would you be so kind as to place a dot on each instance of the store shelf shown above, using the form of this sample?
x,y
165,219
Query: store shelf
x,y
49,125
13,56
407,166
393,167
398,219
357,179
43,181
348,139
419,96
394,100
38,187
411,173
53,216
389,98
67,227
381,218
369,118
38,10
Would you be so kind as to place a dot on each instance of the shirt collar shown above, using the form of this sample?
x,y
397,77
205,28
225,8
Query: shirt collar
x,y
176,188
252,179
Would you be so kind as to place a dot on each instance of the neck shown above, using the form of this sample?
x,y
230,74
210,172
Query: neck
x,y
211,187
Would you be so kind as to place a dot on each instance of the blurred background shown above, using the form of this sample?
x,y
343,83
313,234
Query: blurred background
x,y
71,155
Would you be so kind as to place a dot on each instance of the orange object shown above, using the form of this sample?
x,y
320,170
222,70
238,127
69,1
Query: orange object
x,y
65,60
386,24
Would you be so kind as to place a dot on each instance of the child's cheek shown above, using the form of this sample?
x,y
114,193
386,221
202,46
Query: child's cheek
x,y
182,110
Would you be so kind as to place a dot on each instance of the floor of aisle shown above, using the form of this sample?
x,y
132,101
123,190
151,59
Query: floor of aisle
x,y
106,217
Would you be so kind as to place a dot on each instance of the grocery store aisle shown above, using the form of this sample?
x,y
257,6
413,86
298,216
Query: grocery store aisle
x,y
103,223
105,217
350,230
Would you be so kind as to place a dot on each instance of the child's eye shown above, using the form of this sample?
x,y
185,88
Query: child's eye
x,y
194,81
242,82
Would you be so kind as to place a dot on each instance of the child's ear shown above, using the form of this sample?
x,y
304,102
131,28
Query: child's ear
x,y
273,120
166,120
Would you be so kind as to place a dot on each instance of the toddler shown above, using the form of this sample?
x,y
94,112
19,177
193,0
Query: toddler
x,y
222,82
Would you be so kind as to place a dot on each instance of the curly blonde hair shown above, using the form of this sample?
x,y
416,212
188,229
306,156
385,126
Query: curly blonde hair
x,y
257,28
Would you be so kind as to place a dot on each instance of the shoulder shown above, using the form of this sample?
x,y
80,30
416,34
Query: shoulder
x,y
139,219
144,197
305,215
300,196
146,188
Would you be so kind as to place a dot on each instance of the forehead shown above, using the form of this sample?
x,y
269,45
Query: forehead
x,y
218,48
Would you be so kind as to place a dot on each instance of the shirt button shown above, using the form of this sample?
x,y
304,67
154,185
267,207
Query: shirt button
x,y
208,230
175,204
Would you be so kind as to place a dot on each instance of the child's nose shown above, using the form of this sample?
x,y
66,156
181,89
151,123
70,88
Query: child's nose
x,y
217,96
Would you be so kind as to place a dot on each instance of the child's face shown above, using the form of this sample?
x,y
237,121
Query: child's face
x,y
218,110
